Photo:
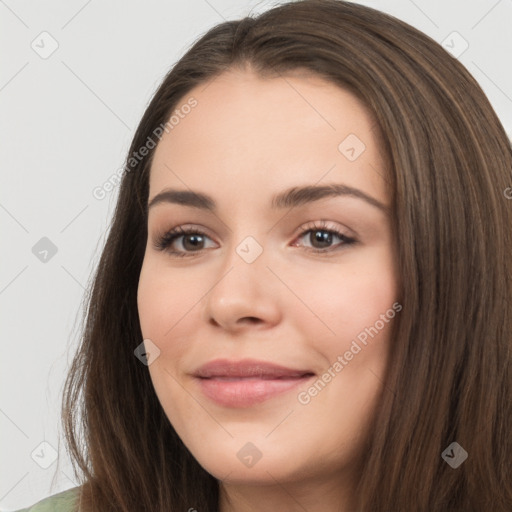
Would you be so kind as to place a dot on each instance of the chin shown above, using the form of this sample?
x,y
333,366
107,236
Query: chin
x,y
256,463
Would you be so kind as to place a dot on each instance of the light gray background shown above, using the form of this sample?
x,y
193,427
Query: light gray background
x,y
66,124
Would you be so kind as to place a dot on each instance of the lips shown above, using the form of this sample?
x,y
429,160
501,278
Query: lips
x,y
247,382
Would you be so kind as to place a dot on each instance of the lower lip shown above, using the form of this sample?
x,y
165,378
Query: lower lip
x,y
247,392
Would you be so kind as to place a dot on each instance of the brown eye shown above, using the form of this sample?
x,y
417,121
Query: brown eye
x,y
321,239
182,242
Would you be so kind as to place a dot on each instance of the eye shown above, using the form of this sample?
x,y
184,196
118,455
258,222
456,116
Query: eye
x,y
321,238
183,242
192,240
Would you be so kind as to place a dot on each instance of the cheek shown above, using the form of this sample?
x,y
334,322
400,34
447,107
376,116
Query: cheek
x,y
357,314
166,301
165,306
344,300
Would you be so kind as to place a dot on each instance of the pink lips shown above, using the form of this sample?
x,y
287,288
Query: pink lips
x,y
247,382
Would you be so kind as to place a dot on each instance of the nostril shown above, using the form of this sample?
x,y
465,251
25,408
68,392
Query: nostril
x,y
251,319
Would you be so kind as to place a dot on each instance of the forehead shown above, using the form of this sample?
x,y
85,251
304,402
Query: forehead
x,y
249,132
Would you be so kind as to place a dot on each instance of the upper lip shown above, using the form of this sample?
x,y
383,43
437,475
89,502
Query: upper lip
x,y
248,368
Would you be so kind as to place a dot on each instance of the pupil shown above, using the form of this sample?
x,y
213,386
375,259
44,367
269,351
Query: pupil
x,y
322,237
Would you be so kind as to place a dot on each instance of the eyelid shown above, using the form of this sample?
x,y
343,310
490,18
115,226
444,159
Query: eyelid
x,y
326,225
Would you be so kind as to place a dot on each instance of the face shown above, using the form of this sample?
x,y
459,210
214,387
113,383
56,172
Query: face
x,y
271,310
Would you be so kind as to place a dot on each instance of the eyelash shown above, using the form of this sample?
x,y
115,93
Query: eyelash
x,y
164,242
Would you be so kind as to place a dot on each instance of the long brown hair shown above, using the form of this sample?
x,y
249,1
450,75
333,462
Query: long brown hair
x,y
449,164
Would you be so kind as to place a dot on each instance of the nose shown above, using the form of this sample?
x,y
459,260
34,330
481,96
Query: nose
x,y
243,296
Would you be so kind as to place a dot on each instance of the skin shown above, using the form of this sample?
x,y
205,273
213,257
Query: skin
x,y
247,139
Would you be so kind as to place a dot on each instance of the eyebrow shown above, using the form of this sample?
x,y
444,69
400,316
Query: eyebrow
x,y
292,197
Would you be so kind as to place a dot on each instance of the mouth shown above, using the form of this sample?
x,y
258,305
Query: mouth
x,y
248,382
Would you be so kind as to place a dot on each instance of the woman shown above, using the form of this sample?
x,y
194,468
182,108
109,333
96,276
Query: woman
x,y
304,302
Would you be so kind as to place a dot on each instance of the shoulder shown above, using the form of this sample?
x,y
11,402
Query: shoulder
x,y
65,501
